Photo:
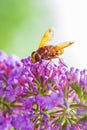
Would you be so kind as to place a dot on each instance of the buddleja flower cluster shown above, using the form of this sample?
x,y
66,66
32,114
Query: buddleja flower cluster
x,y
41,95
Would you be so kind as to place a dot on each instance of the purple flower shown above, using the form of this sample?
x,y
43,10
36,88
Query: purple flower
x,y
53,100
28,104
1,88
2,122
22,122
10,93
40,100
41,95
3,56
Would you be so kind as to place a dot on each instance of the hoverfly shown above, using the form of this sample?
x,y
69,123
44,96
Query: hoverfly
x,y
48,52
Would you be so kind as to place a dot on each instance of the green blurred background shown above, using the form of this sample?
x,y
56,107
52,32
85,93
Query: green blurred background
x,y
22,24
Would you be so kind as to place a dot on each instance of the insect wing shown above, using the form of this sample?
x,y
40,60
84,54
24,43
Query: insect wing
x,y
64,45
46,37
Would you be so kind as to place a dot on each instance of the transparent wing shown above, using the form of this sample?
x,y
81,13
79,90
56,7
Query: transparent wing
x,y
46,37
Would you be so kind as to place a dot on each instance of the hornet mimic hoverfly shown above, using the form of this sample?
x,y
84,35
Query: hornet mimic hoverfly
x,y
48,52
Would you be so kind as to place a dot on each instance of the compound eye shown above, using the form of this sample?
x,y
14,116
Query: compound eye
x,y
37,57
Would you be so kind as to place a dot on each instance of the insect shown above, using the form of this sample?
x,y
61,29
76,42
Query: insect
x,y
48,52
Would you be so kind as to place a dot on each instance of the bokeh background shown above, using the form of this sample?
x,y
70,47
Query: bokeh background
x,y
23,23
